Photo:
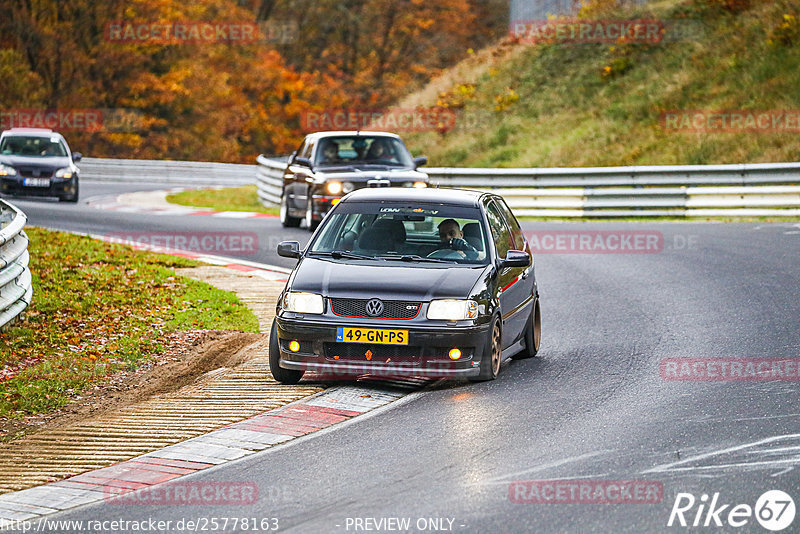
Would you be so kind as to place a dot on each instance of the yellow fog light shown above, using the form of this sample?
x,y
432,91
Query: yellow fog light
x,y
294,346
454,354
420,185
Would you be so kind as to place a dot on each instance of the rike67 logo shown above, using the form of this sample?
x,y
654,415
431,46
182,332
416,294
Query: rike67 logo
x,y
774,511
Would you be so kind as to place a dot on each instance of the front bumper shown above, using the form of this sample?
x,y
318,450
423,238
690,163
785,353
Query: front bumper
x,y
13,185
425,355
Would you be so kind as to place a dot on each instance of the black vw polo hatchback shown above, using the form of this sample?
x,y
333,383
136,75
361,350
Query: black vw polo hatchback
x,y
408,282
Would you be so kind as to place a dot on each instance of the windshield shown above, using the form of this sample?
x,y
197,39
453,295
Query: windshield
x,y
34,146
373,150
425,234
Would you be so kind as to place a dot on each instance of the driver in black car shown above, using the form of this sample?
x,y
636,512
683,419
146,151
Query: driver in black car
x,y
452,237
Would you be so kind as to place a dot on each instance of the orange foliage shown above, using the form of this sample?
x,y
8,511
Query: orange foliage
x,y
223,101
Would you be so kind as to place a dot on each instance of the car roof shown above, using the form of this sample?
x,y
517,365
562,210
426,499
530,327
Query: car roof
x,y
454,197
370,133
32,132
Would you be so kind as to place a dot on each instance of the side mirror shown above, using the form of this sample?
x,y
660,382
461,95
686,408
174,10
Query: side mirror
x,y
305,162
419,161
516,258
76,156
289,249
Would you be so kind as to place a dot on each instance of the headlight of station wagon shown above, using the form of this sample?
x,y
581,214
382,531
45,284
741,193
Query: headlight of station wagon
x,y
303,303
6,170
452,310
65,173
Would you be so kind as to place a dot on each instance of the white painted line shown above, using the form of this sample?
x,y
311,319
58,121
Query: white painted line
x,y
671,466
545,466
233,214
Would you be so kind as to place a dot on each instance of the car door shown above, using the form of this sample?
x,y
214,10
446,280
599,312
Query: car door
x,y
528,280
296,180
514,295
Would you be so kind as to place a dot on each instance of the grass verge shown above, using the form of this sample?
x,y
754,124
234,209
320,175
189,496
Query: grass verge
x,y
228,199
99,308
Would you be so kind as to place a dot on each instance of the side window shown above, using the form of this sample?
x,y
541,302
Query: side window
x,y
309,148
516,232
299,152
500,233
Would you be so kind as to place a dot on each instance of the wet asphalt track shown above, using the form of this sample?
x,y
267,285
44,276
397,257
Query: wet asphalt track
x,y
593,406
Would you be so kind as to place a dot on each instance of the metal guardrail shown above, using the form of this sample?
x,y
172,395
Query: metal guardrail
x,y
269,179
677,191
166,172
16,289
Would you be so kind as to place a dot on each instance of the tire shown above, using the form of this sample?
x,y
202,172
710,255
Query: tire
x,y
490,364
311,224
284,376
73,197
287,221
533,334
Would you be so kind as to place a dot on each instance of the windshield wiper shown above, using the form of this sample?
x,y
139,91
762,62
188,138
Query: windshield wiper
x,y
414,257
339,254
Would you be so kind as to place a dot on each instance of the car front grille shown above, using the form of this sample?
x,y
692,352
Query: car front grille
x,y
392,309
34,172
363,352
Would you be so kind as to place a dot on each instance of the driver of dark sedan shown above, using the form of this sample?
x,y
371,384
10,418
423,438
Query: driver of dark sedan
x,y
378,150
330,153
452,237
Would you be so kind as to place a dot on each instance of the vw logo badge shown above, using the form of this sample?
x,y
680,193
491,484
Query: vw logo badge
x,y
374,308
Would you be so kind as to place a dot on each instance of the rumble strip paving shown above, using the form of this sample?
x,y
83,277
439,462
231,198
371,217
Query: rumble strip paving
x,y
226,415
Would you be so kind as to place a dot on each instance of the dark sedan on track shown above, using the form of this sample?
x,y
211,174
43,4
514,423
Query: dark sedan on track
x,y
38,162
408,282
328,165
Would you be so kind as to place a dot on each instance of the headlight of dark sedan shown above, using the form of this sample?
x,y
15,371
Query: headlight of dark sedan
x,y
309,303
334,188
6,170
452,310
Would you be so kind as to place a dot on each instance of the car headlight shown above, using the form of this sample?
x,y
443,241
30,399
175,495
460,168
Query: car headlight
x,y
452,310
65,173
420,185
6,170
334,188
303,302
347,187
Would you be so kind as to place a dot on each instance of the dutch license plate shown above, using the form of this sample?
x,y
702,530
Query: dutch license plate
x,y
36,182
372,335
